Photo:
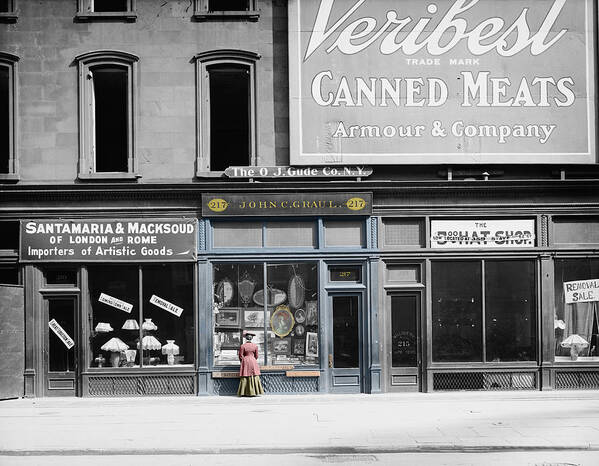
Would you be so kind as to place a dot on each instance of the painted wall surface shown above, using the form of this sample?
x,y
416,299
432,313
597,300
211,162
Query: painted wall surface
x,y
47,39
12,341
444,81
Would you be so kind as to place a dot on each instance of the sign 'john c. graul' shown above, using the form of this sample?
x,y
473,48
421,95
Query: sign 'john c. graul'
x,y
446,81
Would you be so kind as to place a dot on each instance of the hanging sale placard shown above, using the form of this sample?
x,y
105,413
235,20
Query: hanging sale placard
x,y
581,291
167,306
61,333
115,302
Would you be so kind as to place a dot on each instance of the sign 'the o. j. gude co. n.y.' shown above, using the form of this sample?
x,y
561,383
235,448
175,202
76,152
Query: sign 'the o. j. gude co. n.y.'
x,y
442,81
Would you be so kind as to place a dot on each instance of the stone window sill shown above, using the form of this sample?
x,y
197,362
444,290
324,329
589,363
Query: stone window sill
x,y
9,17
252,15
9,177
128,16
108,176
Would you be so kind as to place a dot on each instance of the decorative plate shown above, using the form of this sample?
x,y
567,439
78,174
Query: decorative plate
x,y
282,321
224,291
296,291
300,316
274,297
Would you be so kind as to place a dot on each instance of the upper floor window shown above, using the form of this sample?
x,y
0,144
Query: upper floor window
x,y
8,108
107,114
106,9
8,11
226,109
225,9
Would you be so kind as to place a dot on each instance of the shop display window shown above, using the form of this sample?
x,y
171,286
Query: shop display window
x,y
457,311
510,321
284,318
159,331
576,310
499,328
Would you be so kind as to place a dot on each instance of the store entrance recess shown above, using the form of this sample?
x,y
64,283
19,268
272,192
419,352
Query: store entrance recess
x,y
60,347
402,342
345,351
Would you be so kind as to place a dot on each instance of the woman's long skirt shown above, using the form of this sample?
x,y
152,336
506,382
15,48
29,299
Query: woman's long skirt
x,y
250,386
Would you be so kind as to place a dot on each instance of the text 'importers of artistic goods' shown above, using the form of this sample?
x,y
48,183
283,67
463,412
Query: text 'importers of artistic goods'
x,y
466,81
167,306
581,291
61,333
115,302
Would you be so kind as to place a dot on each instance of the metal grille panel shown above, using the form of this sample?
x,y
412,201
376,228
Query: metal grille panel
x,y
272,383
576,380
225,386
403,232
485,381
141,386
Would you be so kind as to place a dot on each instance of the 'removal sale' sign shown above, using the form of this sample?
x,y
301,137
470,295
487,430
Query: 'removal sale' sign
x,y
442,81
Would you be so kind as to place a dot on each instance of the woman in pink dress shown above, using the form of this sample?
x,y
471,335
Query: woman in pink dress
x,y
249,372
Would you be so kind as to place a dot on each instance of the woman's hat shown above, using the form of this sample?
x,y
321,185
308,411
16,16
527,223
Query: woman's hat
x,y
249,334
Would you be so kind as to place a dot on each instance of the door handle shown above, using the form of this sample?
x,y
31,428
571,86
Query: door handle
x,y
330,361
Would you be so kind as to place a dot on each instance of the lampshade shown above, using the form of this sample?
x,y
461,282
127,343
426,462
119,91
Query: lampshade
x,y
150,343
148,325
574,340
103,327
130,324
170,348
115,345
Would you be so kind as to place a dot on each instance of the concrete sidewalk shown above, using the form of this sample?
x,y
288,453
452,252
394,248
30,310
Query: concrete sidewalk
x,y
465,421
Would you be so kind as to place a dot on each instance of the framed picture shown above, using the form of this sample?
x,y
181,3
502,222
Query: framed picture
x,y
299,330
300,316
224,291
230,340
254,318
298,347
229,357
282,321
311,312
227,317
259,338
282,346
312,344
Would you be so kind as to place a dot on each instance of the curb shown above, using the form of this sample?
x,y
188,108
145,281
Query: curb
x,y
339,450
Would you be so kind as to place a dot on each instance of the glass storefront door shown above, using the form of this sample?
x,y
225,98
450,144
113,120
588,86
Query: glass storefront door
x,y
402,346
345,347
60,347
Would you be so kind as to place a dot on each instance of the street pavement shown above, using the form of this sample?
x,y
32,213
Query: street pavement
x,y
305,429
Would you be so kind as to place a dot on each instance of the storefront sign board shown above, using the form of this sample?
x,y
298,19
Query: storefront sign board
x,y
167,306
256,204
61,333
298,172
445,81
581,291
115,302
130,240
481,233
